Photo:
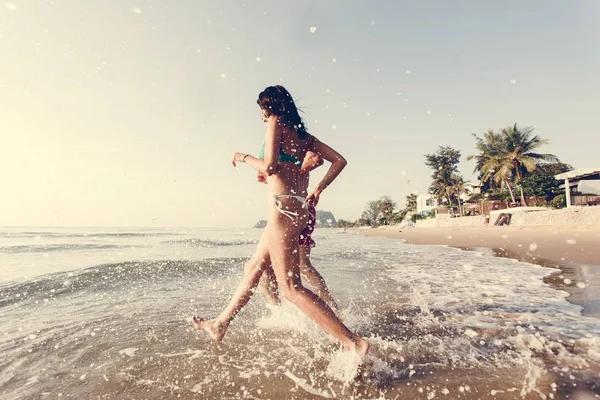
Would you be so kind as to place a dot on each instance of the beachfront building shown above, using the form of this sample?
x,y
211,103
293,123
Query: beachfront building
x,y
470,190
582,186
425,203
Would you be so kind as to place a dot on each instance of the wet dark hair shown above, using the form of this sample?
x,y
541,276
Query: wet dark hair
x,y
276,100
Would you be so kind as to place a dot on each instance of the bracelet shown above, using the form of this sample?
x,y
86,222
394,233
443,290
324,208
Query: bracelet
x,y
244,158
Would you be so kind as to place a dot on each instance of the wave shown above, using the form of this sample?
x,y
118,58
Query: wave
x,y
108,278
81,235
43,248
195,242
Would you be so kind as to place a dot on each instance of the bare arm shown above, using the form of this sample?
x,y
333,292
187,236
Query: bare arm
x,y
338,163
268,166
311,162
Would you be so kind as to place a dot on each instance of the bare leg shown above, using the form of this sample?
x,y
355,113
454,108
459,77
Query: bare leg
x,y
285,257
253,270
268,284
315,279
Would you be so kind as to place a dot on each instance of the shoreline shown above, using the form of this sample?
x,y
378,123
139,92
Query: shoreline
x,y
574,251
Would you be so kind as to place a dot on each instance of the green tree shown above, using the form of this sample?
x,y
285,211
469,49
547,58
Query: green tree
x,y
541,183
444,164
457,188
554,168
342,223
506,157
559,201
489,159
411,203
379,212
521,158
370,215
386,208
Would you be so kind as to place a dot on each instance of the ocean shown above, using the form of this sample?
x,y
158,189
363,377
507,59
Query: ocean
x,y
90,313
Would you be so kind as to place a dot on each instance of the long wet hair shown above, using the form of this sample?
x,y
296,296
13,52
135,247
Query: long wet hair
x,y
276,100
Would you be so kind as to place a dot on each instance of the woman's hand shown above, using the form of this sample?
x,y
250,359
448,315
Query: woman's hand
x,y
261,178
238,158
313,198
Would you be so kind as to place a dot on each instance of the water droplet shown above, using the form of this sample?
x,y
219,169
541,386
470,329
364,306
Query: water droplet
x,y
532,246
258,58
571,241
137,10
513,81
313,29
223,76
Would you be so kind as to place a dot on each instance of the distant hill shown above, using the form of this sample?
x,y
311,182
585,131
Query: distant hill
x,y
261,224
325,219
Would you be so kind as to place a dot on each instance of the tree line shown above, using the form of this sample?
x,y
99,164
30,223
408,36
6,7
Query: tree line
x,y
508,164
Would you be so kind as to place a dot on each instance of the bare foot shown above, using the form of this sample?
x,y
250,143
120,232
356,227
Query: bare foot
x,y
215,330
362,347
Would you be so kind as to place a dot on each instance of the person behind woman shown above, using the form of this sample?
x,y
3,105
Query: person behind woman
x,y
287,141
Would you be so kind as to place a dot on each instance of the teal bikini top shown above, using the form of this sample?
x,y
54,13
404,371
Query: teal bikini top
x,y
283,157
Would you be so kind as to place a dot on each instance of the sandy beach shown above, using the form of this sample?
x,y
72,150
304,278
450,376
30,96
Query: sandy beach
x,y
574,251
561,245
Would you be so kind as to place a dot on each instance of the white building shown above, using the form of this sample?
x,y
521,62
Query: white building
x,y
470,190
582,180
425,203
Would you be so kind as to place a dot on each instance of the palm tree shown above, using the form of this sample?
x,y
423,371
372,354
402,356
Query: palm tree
x,y
489,159
456,187
506,157
520,157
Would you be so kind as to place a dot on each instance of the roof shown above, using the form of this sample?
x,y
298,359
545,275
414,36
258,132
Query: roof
x,y
579,173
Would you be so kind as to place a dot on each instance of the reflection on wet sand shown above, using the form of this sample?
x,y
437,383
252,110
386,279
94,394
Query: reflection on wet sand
x,y
581,281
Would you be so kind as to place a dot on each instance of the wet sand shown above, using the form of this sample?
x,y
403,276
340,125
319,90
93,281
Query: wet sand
x,y
575,251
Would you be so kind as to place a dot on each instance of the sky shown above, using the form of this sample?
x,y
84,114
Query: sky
x,y
127,113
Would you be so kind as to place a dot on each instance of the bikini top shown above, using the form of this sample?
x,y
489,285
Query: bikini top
x,y
283,157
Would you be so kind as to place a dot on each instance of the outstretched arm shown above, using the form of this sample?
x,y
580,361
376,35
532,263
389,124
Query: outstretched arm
x,y
338,163
268,166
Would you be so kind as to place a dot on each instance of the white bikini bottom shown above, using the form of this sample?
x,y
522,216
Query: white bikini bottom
x,y
279,205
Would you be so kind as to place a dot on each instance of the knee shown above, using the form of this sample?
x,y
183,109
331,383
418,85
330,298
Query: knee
x,y
253,265
289,290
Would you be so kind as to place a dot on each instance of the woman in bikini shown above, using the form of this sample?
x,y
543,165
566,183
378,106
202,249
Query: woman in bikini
x,y
259,268
287,141
307,270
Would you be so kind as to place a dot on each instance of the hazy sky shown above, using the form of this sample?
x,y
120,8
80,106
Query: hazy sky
x,y
126,113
